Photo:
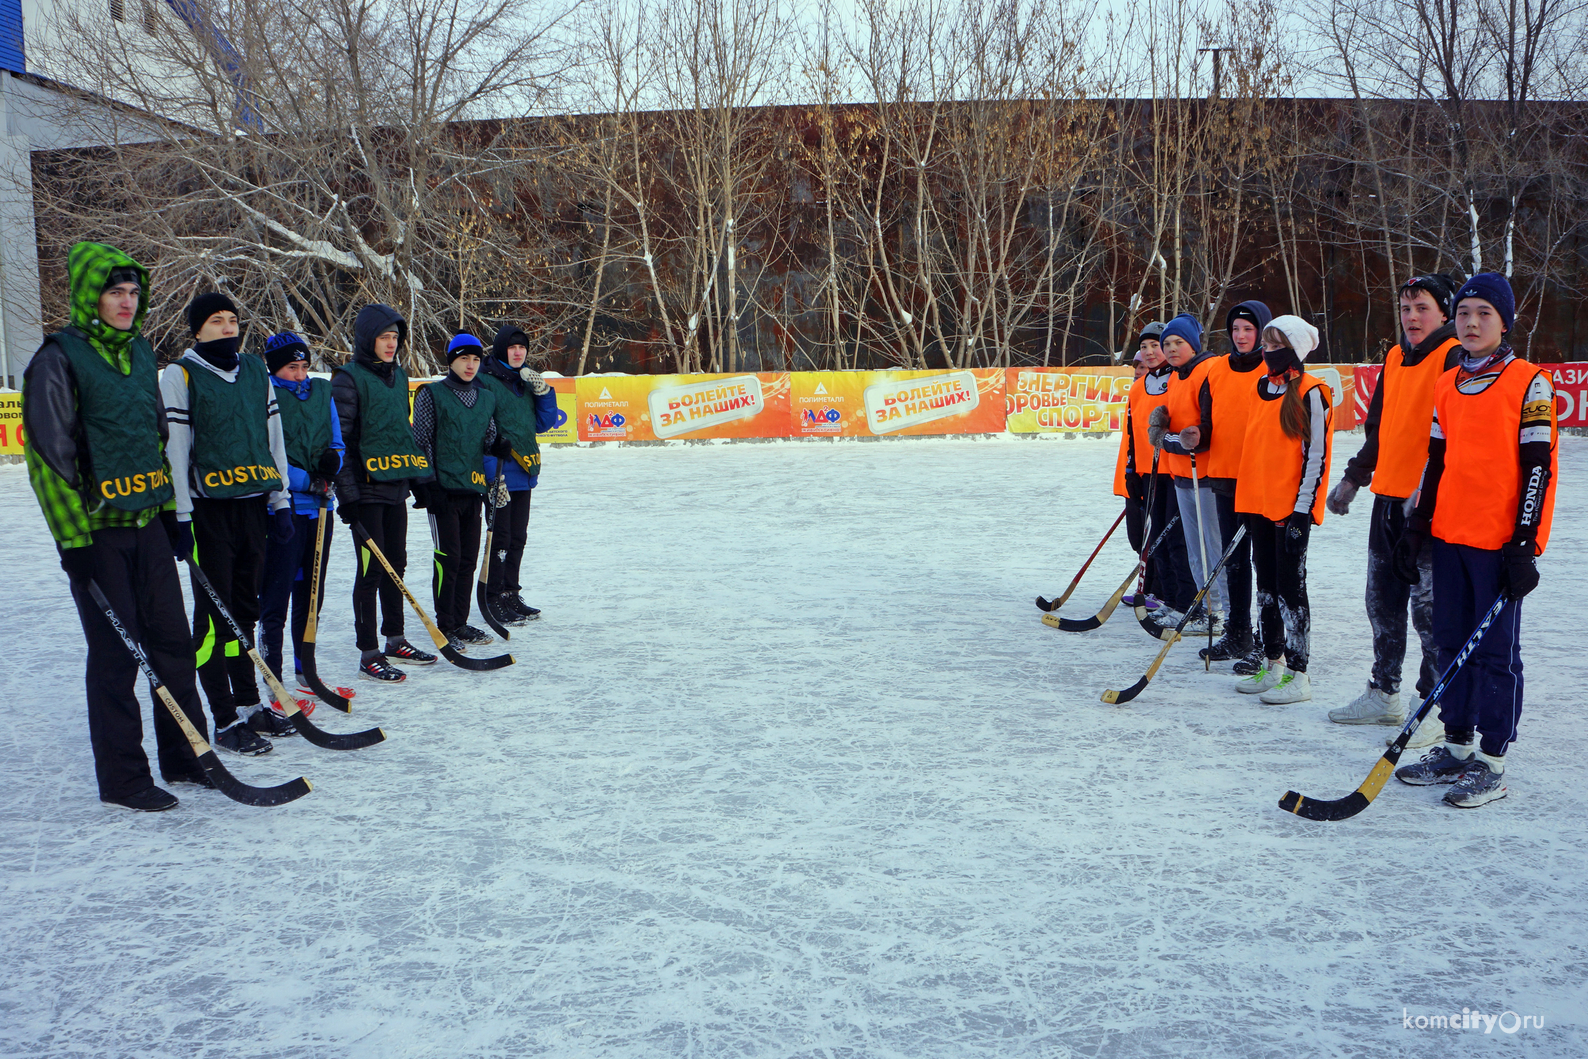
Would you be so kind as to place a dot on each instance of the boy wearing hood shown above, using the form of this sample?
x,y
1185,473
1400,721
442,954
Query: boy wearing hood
x,y
1391,461
94,434
314,456
1487,500
525,406
371,396
454,427
229,471
1232,387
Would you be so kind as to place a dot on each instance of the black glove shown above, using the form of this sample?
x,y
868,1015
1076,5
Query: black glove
x,y
1518,569
1135,487
1403,560
79,564
1297,526
181,534
501,448
281,525
347,512
430,495
319,488
330,463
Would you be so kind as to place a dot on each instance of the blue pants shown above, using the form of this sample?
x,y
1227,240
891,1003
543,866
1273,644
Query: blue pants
x,y
289,568
1487,693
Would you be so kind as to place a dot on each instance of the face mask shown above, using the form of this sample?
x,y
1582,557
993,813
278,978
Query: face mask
x,y
1281,360
222,352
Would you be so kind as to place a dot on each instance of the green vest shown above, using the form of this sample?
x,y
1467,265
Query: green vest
x,y
515,417
386,437
306,424
460,438
231,430
124,465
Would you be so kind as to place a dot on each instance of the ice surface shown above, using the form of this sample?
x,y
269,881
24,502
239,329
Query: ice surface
x,y
791,768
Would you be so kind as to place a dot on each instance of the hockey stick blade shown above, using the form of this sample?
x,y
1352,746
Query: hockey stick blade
x,y
1053,621
1048,605
311,677
1150,627
481,597
1044,604
463,661
1362,797
306,663
333,741
481,593
238,791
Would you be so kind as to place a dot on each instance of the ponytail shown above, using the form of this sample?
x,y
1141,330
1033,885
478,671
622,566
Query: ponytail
x,y
1292,416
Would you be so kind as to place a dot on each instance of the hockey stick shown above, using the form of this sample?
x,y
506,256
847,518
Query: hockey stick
x,y
481,590
1359,799
1114,697
218,774
1053,621
1151,628
289,705
1202,546
452,654
311,671
1045,604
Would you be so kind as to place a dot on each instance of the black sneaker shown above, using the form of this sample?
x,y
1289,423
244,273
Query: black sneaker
x,y
241,739
404,651
503,611
198,778
151,799
1439,765
269,722
377,668
1249,666
1234,644
517,603
454,642
472,636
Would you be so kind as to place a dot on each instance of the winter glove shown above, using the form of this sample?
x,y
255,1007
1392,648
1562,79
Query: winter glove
x,y
281,525
537,385
330,463
348,513
1157,426
1518,569
430,496
1190,437
500,497
181,534
319,488
79,564
1403,560
502,448
1297,527
1135,488
1340,497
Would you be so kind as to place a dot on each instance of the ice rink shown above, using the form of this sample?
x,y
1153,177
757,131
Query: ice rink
x,y
790,768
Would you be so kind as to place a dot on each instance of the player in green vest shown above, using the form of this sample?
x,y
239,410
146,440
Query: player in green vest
x,y
371,396
95,433
314,455
454,427
229,471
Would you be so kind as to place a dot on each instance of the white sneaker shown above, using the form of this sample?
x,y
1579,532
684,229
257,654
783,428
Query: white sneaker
x,y
1371,707
1264,679
1198,626
1431,731
1292,687
1165,617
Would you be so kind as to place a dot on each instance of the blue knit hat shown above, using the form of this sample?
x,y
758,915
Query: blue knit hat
x,y
1185,325
464,344
1492,288
284,348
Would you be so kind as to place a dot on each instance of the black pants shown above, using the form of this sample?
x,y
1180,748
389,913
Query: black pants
x,y
134,570
455,530
508,541
1172,567
1238,569
1487,693
1284,621
387,526
1387,596
289,574
230,535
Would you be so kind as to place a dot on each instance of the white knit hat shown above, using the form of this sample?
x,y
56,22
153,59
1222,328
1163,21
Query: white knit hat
x,y
1299,334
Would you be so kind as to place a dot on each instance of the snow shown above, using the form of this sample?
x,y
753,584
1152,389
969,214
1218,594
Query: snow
x,y
791,768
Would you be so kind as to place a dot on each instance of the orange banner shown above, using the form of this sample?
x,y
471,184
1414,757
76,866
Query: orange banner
x,y
664,407
893,403
1047,400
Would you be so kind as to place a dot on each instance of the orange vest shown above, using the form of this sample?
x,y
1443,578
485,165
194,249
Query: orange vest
x,y
1234,393
1404,418
1271,461
1141,404
1185,410
1482,483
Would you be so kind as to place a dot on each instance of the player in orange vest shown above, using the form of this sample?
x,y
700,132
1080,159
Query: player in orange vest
x,y
1391,460
1232,384
1284,469
1168,579
1487,498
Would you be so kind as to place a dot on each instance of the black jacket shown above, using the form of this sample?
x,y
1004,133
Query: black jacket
x,y
353,486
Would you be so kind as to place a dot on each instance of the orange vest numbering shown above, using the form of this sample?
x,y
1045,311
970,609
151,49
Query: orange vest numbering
x,y
1406,414
1271,460
1234,393
1141,404
1482,482
1185,410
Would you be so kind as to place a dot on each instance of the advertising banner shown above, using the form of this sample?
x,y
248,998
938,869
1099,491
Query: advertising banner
x,y
11,424
1047,400
567,429
896,403
664,407
1571,394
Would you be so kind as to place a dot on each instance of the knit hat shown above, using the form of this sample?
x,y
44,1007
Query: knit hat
x,y
207,305
1300,336
123,275
1492,288
1153,331
1439,286
1185,326
462,345
284,349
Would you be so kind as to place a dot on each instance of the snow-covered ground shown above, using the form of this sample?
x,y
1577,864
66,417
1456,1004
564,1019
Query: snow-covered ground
x,y
791,768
